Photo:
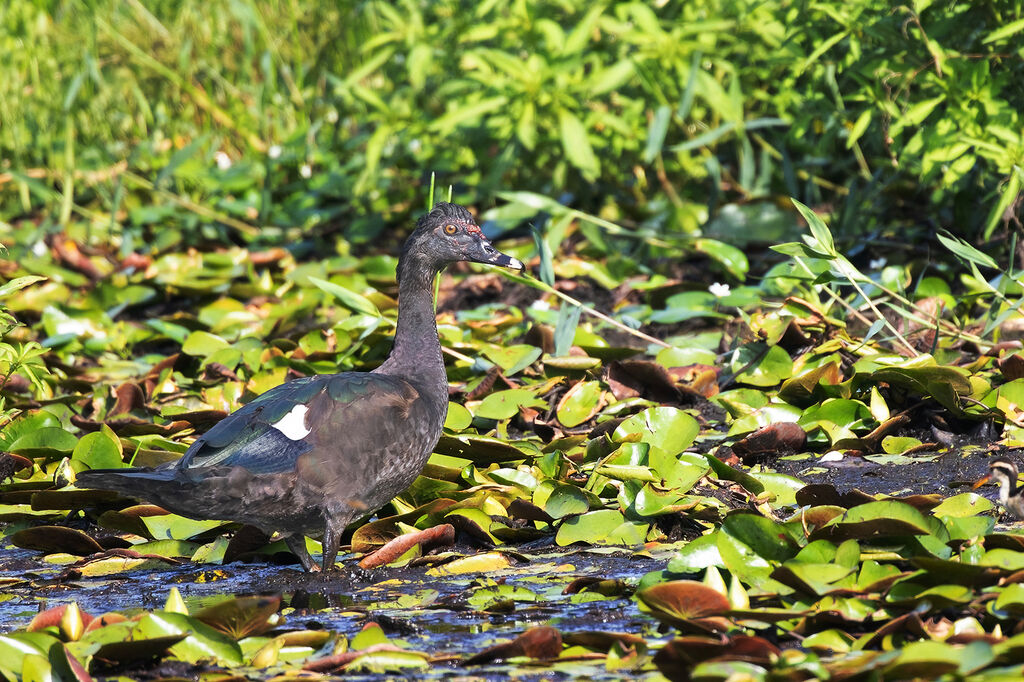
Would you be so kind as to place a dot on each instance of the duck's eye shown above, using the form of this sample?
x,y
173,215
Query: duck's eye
x,y
450,229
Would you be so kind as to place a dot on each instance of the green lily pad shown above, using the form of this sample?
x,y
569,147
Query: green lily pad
x,y
98,451
48,441
761,365
512,359
458,419
566,500
580,403
667,430
601,527
506,404
769,539
202,344
887,518
174,527
202,642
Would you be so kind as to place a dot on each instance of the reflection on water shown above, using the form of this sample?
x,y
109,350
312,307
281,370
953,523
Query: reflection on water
x,y
443,615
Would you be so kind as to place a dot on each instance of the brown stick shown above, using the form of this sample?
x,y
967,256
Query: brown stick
x,y
432,537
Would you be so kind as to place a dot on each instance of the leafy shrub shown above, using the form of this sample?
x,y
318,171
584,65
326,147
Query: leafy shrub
x,y
659,115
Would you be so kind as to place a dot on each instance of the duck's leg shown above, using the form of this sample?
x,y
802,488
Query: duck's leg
x,y
331,542
297,544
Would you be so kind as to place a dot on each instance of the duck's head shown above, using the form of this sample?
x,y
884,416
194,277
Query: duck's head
x,y
447,234
1002,471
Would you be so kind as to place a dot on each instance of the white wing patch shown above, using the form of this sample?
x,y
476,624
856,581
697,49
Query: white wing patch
x,y
293,424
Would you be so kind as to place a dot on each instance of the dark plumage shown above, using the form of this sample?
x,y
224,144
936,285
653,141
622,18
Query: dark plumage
x,y
309,456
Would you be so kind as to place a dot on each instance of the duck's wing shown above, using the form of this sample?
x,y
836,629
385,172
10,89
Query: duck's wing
x,y
271,433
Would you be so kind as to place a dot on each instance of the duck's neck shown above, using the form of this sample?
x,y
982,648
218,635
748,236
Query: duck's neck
x,y
416,354
1007,488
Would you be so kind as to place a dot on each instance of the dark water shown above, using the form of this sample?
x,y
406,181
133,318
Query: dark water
x,y
420,612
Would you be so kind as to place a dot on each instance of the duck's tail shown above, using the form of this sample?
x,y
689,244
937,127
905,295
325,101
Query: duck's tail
x,y
153,485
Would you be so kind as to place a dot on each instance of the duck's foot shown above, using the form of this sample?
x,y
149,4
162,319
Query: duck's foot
x,y
297,545
331,542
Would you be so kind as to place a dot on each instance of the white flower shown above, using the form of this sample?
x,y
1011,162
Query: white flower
x,y
719,290
306,171
72,326
877,264
223,160
274,151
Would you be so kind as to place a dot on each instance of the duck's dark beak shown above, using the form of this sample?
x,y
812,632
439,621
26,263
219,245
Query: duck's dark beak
x,y
489,255
510,262
981,481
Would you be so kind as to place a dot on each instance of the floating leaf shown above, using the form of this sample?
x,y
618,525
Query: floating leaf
x,y
478,563
48,441
97,451
580,403
56,539
174,527
506,404
538,642
201,641
679,601
566,500
240,617
667,430
203,344
604,526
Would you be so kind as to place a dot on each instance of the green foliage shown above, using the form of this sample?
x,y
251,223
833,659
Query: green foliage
x,y
292,115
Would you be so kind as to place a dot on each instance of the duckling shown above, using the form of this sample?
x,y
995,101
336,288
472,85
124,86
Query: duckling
x,y
1004,472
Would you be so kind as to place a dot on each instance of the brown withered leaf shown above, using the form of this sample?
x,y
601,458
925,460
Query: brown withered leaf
x,y
129,398
218,372
600,640
523,509
824,494
201,420
245,540
10,464
68,253
486,384
136,261
793,338
124,553
782,438
153,375
51,539
52,617
643,378
702,380
269,256
131,426
609,587
543,642
16,383
331,663
676,659
1011,366
542,336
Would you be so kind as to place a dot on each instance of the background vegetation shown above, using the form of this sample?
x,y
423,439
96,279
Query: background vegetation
x,y
770,243
672,116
